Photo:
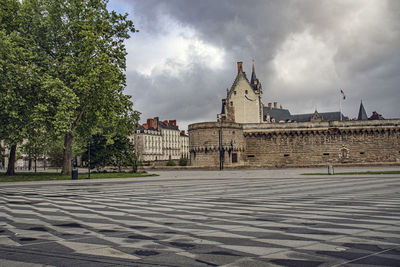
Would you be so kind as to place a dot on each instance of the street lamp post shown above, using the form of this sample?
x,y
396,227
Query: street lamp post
x,y
221,150
89,158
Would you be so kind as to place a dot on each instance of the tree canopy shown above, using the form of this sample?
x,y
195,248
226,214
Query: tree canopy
x,y
63,71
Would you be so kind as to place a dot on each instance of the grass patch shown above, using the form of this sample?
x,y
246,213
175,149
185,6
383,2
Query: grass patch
x,y
354,173
44,176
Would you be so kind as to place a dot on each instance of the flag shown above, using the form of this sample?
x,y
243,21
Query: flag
x,y
344,96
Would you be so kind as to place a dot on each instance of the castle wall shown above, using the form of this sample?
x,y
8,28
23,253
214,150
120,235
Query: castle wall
x,y
299,144
205,148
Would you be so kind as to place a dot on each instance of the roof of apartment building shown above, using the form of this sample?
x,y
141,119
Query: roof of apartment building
x,y
171,125
155,125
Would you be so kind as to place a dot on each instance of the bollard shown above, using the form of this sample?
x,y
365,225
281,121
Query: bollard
x,y
331,170
74,174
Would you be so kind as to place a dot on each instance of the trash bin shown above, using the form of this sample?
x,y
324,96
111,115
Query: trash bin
x,y
331,170
74,174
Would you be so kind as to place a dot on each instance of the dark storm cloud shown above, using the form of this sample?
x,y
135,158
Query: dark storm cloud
x,y
304,52
191,95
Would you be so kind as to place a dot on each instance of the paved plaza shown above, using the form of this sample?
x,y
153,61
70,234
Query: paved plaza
x,y
203,218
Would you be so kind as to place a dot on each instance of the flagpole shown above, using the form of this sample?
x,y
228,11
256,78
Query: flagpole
x,y
340,105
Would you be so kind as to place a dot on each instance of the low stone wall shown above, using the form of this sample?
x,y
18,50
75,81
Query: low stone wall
x,y
159,163
347,143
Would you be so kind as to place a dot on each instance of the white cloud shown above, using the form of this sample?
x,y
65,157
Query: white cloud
x,y
171,52
183,58
305,60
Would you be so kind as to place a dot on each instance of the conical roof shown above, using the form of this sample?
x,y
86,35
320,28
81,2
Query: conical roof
x,y
253,75
362,115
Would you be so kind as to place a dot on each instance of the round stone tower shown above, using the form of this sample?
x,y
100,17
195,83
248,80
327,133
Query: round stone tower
x,y
216,144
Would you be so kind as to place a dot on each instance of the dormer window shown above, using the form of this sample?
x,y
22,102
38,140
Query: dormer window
x,y
234,92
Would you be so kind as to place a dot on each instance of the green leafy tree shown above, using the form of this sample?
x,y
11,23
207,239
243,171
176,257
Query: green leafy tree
x,y
117,151
23,90
62,68
85,42
19,78
100,156
56,153
122,152
36,146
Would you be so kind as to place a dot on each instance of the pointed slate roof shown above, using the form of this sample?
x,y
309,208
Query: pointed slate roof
x,y
253,75
362,115
241,74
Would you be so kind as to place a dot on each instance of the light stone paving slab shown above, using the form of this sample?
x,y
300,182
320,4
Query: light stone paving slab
x,y
288,243
8,263
97,250
324,247
205,218
4,240
259,251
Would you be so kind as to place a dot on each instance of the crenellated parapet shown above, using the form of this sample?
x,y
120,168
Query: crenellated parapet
x,y
322,128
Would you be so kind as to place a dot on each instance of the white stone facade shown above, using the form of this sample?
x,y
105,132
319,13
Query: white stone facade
x,y
160,141
148,144
243,103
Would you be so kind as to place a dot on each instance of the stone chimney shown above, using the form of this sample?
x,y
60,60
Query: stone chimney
x,y
150,123
156,122
183,132
173,122
166,122
269,105
275,104
146,126
240,66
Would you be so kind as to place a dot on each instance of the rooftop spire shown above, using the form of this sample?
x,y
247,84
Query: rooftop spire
x,y
362,115
253,74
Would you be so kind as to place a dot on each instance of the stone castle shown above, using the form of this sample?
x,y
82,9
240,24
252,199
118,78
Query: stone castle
x,y
249,134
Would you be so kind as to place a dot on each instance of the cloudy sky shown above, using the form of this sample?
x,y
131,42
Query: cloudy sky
x,y
184,56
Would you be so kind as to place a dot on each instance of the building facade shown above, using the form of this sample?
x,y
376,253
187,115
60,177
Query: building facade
x,y
243,104
160,141
249,134
255,145
22,160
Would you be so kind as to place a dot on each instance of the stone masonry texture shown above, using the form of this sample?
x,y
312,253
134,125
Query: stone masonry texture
x,y
295,144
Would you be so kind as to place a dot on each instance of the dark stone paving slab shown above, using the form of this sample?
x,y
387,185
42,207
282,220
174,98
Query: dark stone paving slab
x,y
240,218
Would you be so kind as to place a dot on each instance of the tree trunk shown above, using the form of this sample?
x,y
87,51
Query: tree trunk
x,y
30,164
67,168
35,164
11,161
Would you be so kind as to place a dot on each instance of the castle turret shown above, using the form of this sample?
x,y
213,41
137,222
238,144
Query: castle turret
x,y
253,75
362,115
243,103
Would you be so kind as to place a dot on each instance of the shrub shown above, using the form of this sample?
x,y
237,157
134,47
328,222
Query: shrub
x,y
171,163
183,161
